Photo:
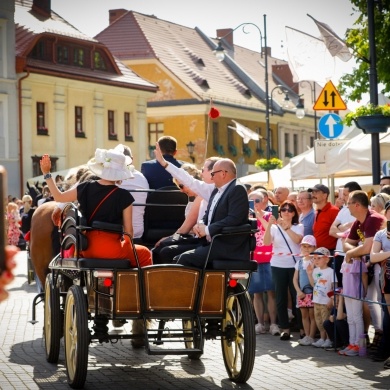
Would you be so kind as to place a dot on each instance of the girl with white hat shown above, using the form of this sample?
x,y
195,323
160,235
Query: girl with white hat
x,y
102,200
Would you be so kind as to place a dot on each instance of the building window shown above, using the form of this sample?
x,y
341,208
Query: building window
x,y
62,55
99,63
36,165
112,135
41,121
38,50
155,130
231,146
215,135
78,122
286,143
312,142
78,56
295,145
128,135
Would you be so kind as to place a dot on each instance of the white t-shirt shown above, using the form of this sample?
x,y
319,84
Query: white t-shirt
x,y
281,257
344,216
323,279
138,182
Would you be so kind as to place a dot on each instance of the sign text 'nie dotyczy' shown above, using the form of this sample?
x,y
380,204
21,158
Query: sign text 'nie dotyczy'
x,y
321,146
329,99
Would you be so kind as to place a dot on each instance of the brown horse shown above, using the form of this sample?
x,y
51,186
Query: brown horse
x,y
41,248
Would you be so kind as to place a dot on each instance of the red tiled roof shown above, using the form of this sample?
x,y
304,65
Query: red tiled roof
x,y
183,52
31,26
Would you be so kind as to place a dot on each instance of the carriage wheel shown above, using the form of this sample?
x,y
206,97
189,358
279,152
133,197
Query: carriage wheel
x,y
195,339
76,337
239,338
52,321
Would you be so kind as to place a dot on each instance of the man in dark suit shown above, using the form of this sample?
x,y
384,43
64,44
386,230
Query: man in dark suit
x,y
155,174
228,207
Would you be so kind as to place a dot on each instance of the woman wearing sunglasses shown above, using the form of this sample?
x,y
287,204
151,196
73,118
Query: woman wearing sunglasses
x,y
261,281
285,234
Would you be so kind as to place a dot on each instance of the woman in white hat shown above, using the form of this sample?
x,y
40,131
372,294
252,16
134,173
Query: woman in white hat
x,y
102,200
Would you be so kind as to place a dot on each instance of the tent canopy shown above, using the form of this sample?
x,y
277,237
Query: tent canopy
x,y
354,157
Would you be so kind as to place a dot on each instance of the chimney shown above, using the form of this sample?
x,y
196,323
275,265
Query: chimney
x,y
229,38
115,14
266,50
42,7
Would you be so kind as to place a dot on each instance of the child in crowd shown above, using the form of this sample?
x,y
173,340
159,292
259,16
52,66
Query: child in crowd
x,y
13,218
305,290
321,278
338,320
355,284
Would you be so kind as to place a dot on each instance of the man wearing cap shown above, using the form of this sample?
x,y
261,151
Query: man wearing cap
x,y
326,213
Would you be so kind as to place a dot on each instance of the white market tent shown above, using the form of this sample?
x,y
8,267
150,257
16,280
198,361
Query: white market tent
x,y
354,157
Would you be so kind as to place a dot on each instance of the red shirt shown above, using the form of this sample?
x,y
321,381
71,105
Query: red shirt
x,y
322,223
373,222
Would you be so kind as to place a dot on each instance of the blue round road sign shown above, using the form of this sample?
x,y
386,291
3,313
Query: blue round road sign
x,y
330,126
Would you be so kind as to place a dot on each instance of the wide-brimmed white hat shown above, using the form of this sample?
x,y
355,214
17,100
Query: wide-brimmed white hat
x,y
111,164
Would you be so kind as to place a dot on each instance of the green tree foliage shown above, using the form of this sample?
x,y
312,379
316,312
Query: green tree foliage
x,y
353,85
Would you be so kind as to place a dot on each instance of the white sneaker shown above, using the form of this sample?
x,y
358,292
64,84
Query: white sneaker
x,y
307,340
259,329
274,330
319,343
327,344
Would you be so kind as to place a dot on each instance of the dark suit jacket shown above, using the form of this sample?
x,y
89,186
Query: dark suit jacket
x,y
156,175
231,210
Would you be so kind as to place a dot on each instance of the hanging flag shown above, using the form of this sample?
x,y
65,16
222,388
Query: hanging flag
x,y
245,133
336,46
308,57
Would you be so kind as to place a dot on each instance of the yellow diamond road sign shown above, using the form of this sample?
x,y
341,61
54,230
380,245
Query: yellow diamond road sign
x,y
329,99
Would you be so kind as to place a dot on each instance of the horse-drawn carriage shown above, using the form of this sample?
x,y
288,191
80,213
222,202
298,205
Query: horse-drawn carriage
x,y
83,294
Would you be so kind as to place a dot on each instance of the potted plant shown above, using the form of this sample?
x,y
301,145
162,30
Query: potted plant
x,y
370,118
268,164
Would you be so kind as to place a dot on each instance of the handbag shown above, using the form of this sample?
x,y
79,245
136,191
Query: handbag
x,y
285,239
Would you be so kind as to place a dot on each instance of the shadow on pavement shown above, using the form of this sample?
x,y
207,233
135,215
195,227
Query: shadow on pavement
x,y
113,366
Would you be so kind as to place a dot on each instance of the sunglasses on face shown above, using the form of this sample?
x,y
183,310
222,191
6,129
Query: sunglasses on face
x,y
286,210
257,200
215,172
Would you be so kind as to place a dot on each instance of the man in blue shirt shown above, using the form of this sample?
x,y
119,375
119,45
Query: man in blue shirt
x,y
155,174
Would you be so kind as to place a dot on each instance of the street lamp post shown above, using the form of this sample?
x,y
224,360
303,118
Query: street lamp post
x,y
220,54
300,113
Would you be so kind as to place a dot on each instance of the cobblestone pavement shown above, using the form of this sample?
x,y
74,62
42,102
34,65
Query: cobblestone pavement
x,y
278,365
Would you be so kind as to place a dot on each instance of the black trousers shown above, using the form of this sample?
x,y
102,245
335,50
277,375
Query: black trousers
x,y
169,248
342,332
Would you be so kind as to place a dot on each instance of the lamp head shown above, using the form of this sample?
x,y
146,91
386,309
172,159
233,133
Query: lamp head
x,y
219,52
300,112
